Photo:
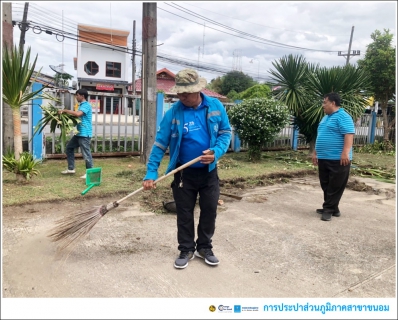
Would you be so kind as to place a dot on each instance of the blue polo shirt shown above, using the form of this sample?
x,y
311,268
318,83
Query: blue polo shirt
x,y
331,131
195,136
85,127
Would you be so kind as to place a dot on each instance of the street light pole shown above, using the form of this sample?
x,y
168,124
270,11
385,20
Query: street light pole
x,y
258,71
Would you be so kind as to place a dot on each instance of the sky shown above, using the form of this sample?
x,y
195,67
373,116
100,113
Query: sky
x,y
219,36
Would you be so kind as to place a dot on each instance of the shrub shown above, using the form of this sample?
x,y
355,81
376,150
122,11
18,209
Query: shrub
x,y
25,166
257,122
384,147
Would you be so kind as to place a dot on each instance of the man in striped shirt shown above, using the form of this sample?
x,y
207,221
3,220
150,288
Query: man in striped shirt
x,y
333,154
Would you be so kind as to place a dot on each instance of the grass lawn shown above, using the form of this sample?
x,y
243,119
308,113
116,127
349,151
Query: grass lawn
x,y
121,176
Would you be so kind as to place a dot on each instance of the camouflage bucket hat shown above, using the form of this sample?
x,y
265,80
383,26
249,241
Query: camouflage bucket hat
x,y
188,80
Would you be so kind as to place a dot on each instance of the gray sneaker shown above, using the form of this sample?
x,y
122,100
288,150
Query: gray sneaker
x,y
208,255
182,261
67,171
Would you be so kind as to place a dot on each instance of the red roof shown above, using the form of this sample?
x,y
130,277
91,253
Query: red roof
x,y
165,81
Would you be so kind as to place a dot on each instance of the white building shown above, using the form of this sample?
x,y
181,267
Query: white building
x,y
102,66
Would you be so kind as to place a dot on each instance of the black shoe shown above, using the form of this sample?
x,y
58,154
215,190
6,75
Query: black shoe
x,y
335,214
208,255
182,261
326,216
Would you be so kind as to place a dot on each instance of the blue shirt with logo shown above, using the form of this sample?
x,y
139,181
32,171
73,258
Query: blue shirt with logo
x,y
195,135
171,130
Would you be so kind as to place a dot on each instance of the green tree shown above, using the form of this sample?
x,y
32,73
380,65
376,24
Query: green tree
x,y
379,63
235,80
256,91
257,122
233,95
61,79
303,85
215,85
17,73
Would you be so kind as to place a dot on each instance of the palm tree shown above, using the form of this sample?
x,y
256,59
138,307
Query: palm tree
x,y
303,86
17,73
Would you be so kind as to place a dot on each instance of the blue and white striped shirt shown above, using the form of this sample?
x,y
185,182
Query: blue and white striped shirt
x,y
331,130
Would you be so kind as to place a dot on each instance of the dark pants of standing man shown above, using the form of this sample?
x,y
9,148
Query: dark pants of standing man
x,y
195,181
84,144
333,178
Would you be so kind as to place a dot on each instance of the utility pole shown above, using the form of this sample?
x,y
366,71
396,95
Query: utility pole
x,y
148,93
203,48
198,56
354,52
8,125
133,60
24,27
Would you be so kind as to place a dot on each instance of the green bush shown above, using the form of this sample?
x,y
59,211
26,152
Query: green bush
x,y
257,122
378,147
25,165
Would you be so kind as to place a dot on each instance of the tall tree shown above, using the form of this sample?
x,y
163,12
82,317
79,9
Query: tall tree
x,y
61,79
303,85
379,63
256,91
17,74
215,85
236,80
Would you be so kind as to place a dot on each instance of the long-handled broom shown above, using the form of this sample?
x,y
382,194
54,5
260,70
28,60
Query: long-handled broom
x,y
69,230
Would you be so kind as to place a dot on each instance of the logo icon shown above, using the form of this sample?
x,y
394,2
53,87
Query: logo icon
x,y
212,308
237,309
221,307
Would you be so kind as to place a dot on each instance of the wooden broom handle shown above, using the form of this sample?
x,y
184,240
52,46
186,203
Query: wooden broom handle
x,y
161,178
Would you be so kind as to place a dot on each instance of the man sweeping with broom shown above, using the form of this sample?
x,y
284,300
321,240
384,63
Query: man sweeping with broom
x,y
195,126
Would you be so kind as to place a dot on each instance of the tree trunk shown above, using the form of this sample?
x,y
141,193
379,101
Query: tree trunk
x,y
312,148
386,126
8,129
16,119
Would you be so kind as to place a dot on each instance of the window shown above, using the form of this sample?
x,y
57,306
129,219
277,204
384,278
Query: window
x,y
113,69
91,68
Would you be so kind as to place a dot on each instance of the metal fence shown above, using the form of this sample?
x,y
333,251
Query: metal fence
x,y
116,124
117,127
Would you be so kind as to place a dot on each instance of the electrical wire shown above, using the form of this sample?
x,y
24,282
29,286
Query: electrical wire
x,y
262,40
258,24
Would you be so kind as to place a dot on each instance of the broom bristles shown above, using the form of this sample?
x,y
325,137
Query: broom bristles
x,y
70,229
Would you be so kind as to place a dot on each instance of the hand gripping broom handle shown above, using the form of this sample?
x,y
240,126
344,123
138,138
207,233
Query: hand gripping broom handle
x,y
116,203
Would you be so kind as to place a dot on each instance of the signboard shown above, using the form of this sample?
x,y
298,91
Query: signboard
x,y
105,86
95,104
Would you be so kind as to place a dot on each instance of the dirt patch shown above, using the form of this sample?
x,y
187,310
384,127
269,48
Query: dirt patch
x,y
156,200
358,186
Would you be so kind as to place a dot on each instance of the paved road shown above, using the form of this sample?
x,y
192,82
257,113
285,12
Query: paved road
x,y
272,246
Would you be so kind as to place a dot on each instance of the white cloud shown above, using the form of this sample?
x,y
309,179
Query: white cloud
x,y
310,25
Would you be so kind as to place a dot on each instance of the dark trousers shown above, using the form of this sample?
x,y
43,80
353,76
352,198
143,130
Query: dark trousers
x,y
194,182
333,178
85,144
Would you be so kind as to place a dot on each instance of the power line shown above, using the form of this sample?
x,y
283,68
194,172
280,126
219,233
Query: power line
x,y
262,40
258,24
38,28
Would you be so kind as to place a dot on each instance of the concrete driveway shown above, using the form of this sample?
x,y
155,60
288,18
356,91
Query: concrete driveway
x,y
271,244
